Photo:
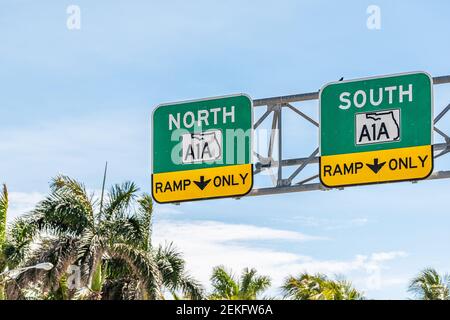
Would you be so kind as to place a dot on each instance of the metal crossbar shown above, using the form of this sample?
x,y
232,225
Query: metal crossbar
x,y
275,107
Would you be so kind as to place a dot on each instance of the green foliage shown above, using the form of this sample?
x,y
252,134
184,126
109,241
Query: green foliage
x,y
61,293
174,275
319,287
3,212
430,285
111,245
98,280
227,287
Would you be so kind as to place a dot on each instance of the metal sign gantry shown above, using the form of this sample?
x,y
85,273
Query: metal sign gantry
x,y
270,161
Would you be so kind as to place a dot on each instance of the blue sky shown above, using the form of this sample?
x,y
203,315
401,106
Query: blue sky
x,y
72,99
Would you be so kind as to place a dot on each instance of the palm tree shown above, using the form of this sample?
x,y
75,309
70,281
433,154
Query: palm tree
x,y
319,287
430,285
110,242
227,287
3,211
174,276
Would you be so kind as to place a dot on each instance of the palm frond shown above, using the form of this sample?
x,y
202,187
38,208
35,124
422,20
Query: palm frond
x,y
119,198
430,285
62,213
191,288
3,212
223,283
62,184
98,279
246,279
124,229
21,235
125,288
171,265
319,287
173,269
61,252
142,266
89,254
258,285
145,214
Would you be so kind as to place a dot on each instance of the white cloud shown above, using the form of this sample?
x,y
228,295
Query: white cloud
x,y
206,244
219,232
386,256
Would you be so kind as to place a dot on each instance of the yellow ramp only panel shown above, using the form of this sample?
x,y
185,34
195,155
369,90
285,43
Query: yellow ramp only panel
x,y
411,163
234,180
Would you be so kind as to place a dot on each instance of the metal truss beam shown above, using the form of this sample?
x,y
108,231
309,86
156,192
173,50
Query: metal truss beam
x,y
275,108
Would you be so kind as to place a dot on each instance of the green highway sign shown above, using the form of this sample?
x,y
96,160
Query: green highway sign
x,y
376,130
201,149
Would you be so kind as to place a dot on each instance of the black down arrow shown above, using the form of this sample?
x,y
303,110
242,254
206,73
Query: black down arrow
x,y
202,183
375,167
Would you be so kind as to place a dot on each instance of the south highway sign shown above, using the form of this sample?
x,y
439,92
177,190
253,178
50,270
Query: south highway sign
x,y
376,130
